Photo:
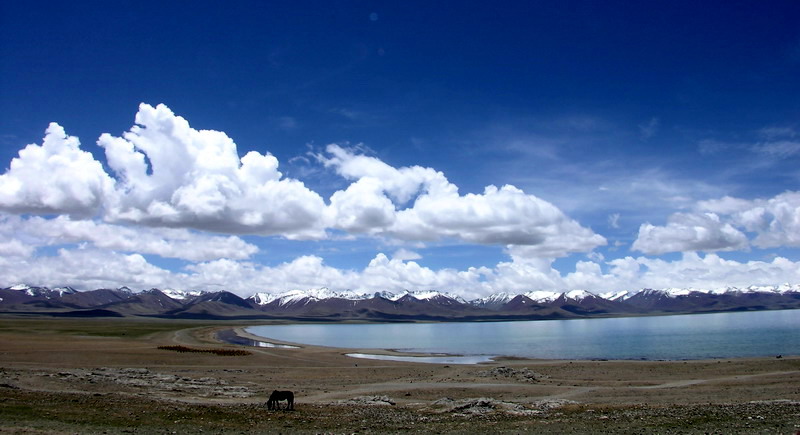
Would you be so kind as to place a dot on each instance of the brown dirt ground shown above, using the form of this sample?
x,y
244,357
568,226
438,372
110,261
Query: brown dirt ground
x,y
108,376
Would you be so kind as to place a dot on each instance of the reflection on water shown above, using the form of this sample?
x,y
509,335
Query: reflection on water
x,y
231,337
268,344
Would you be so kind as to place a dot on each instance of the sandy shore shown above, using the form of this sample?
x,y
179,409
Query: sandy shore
x,y
109,375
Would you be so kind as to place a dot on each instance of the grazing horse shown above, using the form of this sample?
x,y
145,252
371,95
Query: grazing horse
x,y
277,396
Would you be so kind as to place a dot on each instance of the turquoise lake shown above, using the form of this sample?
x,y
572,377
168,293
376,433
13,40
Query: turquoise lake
x,y
679,337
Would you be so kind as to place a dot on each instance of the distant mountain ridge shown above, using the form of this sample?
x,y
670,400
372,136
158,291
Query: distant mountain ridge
x,y
326,304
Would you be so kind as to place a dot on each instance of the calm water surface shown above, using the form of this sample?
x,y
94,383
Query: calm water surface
x,y
698,336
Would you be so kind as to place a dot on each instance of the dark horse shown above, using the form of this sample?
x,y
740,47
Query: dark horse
x,y
277,396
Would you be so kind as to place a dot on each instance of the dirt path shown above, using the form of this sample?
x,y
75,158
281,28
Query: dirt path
x,y
720,379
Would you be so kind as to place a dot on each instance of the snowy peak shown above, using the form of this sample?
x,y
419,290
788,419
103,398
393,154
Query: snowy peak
x,y
349,295
65,290
430,295
306,296
181,295
788,288
383,294
43,292
543,296
19,287
615,296
494,300
425,295
579,295
297,296
262,298
780,289
674,292
665,292
125,289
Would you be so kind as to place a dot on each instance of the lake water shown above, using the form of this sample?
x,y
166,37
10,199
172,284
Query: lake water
x,y
697,336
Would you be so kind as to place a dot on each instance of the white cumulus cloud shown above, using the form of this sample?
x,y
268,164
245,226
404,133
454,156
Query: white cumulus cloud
x,y
167,174
177,192
713,271
94,268
87,269
56,177
173,175
776,220
35,231
689,232
724,224
380,202
361,208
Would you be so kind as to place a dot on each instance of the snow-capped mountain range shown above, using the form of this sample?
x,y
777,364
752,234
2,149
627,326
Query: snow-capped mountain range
x,y
306,296
43,291
326,303
540,296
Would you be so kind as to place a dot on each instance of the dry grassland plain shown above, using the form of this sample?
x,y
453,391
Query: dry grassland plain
x,y
134,375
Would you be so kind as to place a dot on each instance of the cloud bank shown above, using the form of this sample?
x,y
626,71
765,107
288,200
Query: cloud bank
x,y
498,216
171,191
168,174
36,232
724,224
95,268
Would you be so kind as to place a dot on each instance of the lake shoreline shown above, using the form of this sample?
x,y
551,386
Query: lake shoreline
x,y
674,338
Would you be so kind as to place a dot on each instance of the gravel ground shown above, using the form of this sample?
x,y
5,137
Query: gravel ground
x,y
116,376
47,412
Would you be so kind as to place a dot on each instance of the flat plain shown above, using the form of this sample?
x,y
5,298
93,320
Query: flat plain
x,y
137,375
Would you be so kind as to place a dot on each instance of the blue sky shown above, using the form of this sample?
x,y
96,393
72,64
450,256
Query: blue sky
x,y
640,145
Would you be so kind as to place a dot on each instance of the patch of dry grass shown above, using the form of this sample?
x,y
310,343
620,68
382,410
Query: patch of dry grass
x,y
220,352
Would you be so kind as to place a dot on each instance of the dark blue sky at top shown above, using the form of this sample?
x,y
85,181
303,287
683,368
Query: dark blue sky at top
x,y
556,98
